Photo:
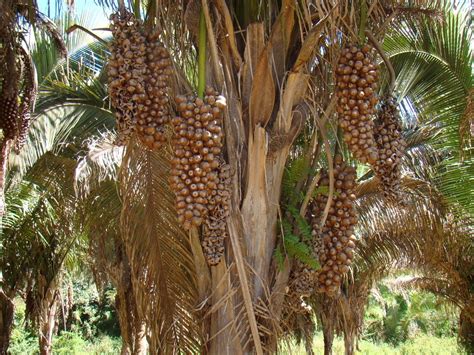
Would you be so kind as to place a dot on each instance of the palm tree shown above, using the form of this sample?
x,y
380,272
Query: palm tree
x,y
439,245
39,232
274,62
277,76
18,77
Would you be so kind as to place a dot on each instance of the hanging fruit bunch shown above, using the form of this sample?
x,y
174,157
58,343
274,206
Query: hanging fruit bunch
x,y
335,243
28,99
9,105
139,72
391,147
18,85
198,176
302,284
126,71
153,108
215,231
356,82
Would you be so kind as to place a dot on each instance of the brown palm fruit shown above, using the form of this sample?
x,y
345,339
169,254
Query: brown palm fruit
x,y
335,242
356,81
153,107
197,145
391,147
215,231
302,285
9,93
28,101
126,70
9,114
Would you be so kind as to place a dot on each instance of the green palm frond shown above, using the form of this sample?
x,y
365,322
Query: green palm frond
x,y
56,130
432,60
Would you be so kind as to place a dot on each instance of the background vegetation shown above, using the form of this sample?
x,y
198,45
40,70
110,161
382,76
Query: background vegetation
x,y
396,322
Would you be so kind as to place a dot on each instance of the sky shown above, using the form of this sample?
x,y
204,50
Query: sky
x,y
96,15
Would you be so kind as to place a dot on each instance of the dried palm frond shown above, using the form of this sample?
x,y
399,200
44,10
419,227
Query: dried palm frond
x,y
160,254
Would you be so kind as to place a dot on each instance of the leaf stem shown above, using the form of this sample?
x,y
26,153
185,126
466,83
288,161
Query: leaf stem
x,y
387,62
202,55
363,20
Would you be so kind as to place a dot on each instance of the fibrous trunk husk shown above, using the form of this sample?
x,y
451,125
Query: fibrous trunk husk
x,y
7,311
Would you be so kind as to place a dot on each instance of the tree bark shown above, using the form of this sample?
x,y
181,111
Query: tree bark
x,y
132,328
349,338
328,334
47,316
7,311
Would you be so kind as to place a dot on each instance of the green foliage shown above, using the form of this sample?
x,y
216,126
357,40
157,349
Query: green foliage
x,y
423,344
395,317
93,329
293,245
93,314
295,171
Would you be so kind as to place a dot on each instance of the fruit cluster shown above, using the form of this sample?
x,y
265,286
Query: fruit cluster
x,y
197,146
391,147
9,114
334,243
215,231
126,72
10,70
356,80
28,101
153,107
302,279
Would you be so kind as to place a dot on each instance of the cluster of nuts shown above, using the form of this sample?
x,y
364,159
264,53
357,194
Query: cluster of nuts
x,y
302,284
153,107
215,231
10,76
27,103
356,80
126,72
9,114
197,146
391,147
334,243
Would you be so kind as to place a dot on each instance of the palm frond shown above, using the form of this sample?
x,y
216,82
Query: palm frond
x,y
159,251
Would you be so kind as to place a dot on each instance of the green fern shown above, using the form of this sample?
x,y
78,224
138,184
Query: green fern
x,y
296,170
294,247
303,226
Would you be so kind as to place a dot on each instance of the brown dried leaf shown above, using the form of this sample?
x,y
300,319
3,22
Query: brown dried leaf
x,y
309,43
262,96
255,43
281,36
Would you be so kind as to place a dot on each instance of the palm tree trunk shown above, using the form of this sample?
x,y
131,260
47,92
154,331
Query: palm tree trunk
x,y
49,305
7,311
328,334
132,327
349,338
